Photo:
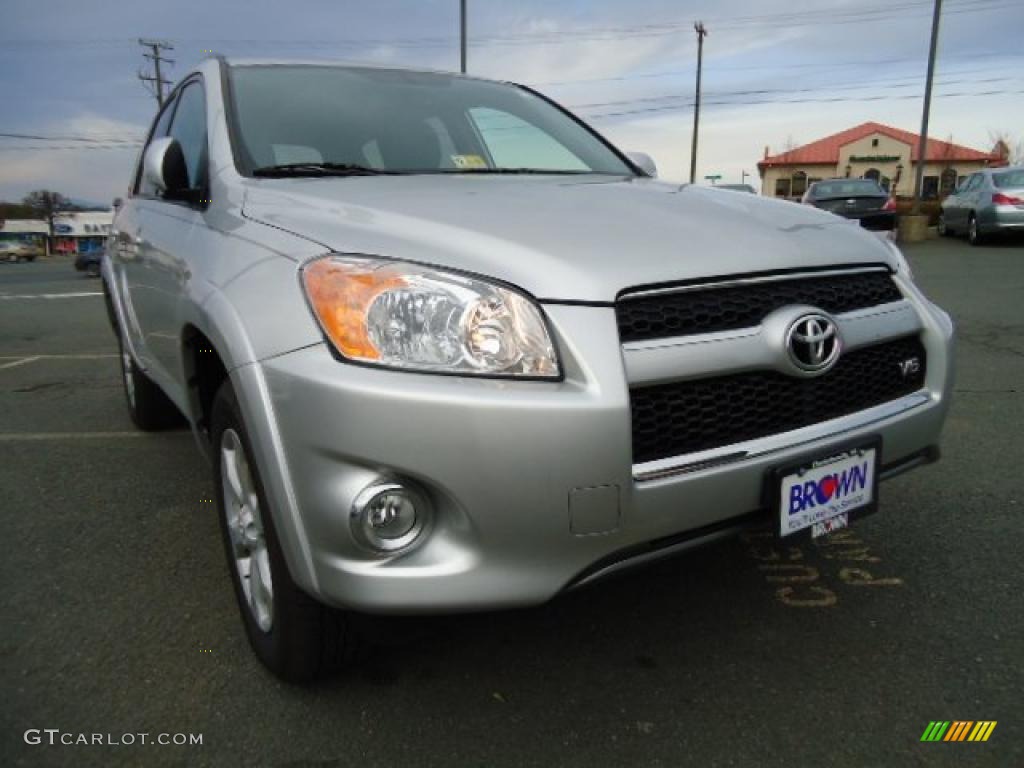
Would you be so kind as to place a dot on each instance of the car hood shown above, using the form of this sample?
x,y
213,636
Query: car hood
x,y
561,238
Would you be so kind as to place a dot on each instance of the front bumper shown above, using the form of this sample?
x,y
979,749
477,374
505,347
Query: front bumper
x,y
532,484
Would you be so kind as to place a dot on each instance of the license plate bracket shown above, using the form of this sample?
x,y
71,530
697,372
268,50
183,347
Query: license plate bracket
x,y
803,495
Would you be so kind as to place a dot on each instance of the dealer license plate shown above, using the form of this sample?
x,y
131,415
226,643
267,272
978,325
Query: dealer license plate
x,y
821,494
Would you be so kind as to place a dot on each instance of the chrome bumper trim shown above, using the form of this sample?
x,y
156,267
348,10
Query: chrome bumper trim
x,y
676,465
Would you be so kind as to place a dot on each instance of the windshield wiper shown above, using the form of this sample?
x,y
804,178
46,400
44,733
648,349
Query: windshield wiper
x,y
319,169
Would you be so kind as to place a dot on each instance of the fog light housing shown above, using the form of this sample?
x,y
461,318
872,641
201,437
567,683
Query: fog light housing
x,y
388,517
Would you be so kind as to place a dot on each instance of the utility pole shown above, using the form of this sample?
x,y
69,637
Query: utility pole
x,y
922,142
701,32
462,36
156,46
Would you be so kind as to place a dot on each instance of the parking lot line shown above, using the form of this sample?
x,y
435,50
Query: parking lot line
x,y
20,361
30,358
10,437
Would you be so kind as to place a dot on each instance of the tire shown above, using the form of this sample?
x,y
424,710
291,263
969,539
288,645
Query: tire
x,y
295,636
974,236
944,231
149,408
93,270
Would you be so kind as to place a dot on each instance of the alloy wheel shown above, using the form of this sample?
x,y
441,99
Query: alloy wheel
x,y
245,528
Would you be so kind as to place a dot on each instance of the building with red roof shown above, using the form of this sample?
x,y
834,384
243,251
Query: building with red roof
x,y
875,151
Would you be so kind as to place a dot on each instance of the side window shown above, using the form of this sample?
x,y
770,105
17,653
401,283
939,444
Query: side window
x,y
515,143
189,128
163,120
973,182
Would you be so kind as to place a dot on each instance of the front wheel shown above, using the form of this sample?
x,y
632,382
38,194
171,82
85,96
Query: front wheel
x,y
296,637
944,230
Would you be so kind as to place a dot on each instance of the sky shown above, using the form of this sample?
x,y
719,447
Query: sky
x,y
777,73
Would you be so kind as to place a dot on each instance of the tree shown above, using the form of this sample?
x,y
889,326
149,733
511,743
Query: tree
x,y
47,205
14,211
1010,148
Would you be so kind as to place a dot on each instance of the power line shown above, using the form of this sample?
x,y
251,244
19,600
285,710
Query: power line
x,y
838,99
70,146
87,145
87,139
817,66
790,20
874,85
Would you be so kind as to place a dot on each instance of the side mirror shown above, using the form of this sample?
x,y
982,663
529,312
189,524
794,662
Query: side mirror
x,y
644,162
164,168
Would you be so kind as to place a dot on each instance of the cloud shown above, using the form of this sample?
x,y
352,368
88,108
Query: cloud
x,y
86,173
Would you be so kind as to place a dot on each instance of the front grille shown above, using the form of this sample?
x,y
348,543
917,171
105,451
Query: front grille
x,y
689,416
704,310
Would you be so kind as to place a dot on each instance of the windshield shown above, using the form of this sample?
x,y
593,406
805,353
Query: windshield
x,y
1008,179
848,188
406,122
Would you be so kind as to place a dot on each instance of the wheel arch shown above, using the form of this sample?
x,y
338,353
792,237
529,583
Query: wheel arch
x,y
204,373
215,349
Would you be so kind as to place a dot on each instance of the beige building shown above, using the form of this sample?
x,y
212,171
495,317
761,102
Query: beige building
x,y
873,151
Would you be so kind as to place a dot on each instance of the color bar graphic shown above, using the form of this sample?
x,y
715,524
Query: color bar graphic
x,y
958,730
935,730
982,730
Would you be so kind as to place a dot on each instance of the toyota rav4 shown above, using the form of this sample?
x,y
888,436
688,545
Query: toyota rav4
x,y
448,349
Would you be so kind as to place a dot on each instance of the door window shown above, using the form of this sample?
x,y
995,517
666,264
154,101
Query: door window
x,y
163,120
973,182
189,128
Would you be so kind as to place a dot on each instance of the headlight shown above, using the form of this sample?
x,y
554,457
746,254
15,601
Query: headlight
x,y
404,315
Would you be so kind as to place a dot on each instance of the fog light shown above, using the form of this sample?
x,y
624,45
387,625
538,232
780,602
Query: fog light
x,y
387,517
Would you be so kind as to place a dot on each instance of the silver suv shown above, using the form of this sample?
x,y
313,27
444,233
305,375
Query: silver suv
x,y
448,349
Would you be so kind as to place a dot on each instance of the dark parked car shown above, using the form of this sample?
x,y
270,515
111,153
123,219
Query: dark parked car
x,y
737,188
861,199
989,202
89,262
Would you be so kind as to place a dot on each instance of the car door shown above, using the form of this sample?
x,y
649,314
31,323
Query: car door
x,y
975,196
127,269
951,205
965,201
170,233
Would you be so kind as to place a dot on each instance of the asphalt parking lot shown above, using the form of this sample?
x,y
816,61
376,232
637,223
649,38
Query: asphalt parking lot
x,y
118,616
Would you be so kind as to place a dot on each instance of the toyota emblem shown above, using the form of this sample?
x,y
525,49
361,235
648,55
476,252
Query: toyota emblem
x,y
813,343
